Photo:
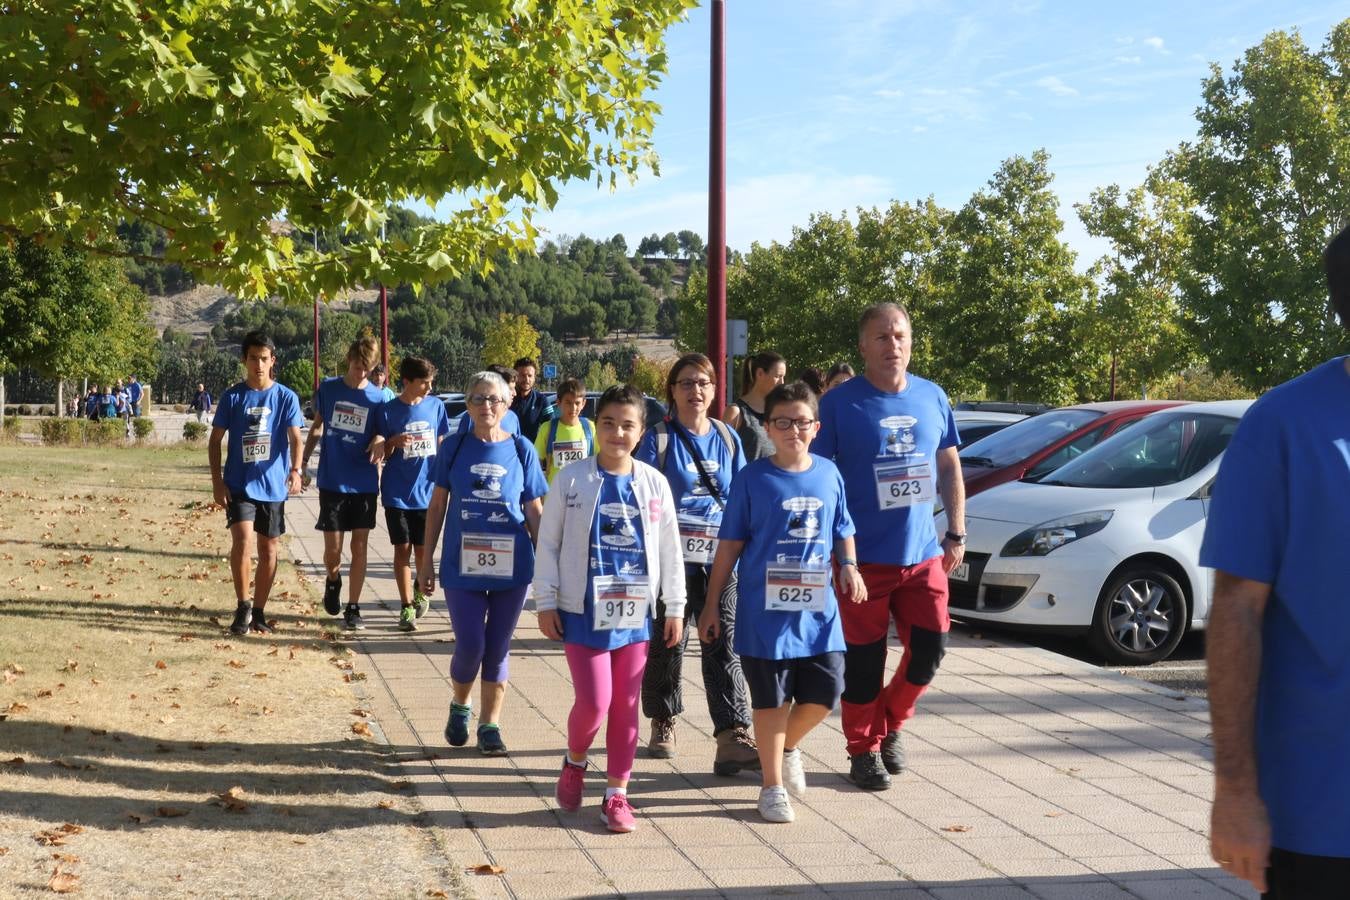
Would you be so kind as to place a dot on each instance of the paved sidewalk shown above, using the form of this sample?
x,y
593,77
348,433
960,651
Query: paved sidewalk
x,y
1032,775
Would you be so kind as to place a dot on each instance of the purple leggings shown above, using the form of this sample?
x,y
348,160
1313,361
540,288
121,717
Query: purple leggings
x,y
606,681
483,622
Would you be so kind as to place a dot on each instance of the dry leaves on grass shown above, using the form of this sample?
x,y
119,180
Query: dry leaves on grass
x,y
233,800
487,869
63,882
3,850
385,804
56,837
362,729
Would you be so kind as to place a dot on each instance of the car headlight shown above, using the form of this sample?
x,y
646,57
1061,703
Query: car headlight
x,y
1047,536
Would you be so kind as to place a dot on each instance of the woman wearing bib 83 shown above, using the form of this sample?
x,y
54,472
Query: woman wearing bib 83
x,y
487,495
607,545
699,457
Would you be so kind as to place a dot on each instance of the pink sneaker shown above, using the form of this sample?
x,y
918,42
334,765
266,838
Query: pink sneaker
x,y
617,814
570,784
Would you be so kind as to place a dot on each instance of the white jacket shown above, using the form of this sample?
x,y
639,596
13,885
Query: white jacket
x,y
562,560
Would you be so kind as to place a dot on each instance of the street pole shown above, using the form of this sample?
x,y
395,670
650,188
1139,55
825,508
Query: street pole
x,y
384,322
717,205
315,386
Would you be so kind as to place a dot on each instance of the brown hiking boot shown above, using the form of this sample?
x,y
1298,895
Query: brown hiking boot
x,y
662,743
736,750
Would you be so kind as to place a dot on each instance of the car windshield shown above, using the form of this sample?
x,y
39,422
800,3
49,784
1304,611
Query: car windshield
x,y
1021,439
1152,452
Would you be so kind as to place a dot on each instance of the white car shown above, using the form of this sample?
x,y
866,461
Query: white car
x,y
974,424
1106,545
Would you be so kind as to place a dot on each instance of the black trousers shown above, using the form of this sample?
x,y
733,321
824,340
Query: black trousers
x,y
1300,876
723,683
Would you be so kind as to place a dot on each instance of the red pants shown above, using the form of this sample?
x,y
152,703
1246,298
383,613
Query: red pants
x,y
916,598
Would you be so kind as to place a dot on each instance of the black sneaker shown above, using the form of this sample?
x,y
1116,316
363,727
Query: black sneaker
x,y
351,619
866,772
332,596
490,741
243,617
893,753
260,624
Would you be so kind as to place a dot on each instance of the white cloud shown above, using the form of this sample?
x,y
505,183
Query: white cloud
x,y
1130,60
1056,86
1155,42
888,94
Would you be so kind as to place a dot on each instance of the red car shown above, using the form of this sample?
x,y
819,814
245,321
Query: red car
x,y
1036,446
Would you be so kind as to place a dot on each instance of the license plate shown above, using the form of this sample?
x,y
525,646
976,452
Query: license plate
x,y
960,573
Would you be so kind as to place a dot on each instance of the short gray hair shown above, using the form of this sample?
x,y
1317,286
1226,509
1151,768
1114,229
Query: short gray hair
x,y
876,311
492,378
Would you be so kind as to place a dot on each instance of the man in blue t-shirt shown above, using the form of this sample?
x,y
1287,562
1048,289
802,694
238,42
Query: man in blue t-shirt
x,y
532,407
1279,636
413,424
349,473
261,421
135,392
893,437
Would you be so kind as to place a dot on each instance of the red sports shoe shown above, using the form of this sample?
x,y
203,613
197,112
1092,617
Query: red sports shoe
x,y
617,814
570,784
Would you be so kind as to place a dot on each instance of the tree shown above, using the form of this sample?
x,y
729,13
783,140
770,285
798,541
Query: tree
x,y
649,246
691,244
512,337
213,121
670,244
1270,175
298,375
600,376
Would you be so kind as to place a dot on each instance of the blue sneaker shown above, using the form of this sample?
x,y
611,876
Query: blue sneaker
x,y
490,741
457,729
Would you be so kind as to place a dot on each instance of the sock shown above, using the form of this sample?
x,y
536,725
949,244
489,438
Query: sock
x,y
610,792
243,603
492,725
567,761
464,708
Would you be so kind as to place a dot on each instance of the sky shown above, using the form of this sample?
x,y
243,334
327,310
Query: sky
x,y
838,104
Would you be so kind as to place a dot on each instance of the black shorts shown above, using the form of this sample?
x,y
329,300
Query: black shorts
x,y
268,518
346,512
1299,876
406,526
809,679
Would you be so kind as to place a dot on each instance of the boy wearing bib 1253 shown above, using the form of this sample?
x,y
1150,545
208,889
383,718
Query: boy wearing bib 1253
x,y
785,516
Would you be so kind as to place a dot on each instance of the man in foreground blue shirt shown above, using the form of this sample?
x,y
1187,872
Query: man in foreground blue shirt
x,y
1279,636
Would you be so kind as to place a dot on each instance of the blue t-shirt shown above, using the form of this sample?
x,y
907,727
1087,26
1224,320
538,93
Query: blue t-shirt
x,y
407,472
617,549
886,447
789,522
258,445
695,506
348,416
134,390
488,485
510,423
1279,516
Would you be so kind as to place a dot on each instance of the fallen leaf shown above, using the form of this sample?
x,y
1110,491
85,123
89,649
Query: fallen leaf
x,y
1054,815
259,674
171,812
487,869
15,668
73,764
71,665
363,713
233,701
66,858
17,707
140,818
385,804
45,692
63,882
161,664
235,664
274,651
957,828
299,841
233,800
10,677
401,785
3,850
437,895
362,729
15,762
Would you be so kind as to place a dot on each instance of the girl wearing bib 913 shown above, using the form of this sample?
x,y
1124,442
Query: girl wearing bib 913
x,y
608,544
488,485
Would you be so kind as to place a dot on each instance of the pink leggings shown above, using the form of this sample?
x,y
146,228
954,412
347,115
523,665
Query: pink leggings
x,y
606,681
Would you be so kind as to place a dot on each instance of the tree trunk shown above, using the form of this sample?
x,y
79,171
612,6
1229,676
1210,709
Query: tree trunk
x,y
60,397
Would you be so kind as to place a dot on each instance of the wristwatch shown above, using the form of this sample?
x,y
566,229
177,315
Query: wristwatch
x,y
959,538
848,561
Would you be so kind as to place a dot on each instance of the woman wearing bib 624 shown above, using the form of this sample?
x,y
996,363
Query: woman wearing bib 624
x,y
490,484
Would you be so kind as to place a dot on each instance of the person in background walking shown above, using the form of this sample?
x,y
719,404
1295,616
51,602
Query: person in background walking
x,y
530,406
699,457
201,402
379,376
813,378
1279,637
134,393
838,374
763,372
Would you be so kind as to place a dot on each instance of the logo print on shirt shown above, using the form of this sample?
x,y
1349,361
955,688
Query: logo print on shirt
x,y
804,522
616,529
900,438
488,484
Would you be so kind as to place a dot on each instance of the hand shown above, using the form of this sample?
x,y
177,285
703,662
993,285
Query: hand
x,y
674,630
375,452
426,580
1239,829
952,554
850,583
550,623
398,441
709,624
221,493
307,478
293,483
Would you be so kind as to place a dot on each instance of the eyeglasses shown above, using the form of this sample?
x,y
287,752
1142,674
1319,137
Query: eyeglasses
x,y
786,424
688,384
483,400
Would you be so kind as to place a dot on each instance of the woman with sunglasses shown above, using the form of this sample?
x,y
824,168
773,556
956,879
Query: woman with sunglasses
x,y
488,494
699,457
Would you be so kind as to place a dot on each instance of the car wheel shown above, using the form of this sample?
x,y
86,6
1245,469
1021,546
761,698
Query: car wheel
x,y
1141,616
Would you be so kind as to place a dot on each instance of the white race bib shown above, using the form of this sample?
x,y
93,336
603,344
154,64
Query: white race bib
x,y
698,538
421,445
350,417
257,448
487,555
620,602
795,589
900,485
565,452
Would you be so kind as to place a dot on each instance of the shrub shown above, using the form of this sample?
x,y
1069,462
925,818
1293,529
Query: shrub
x,y
179,408
11,428
56,431
194,431
144,428
46,409
25,409
105,432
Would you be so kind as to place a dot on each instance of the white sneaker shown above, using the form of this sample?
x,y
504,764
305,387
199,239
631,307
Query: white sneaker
x,y
774,805
794,777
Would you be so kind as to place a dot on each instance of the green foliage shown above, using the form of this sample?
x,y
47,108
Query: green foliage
x,y
1269,172
61,432
1198,384
510,338
105,432
599,376
185,363
194,431
649,376
64,313
11,428
214,120
143,427
298,375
